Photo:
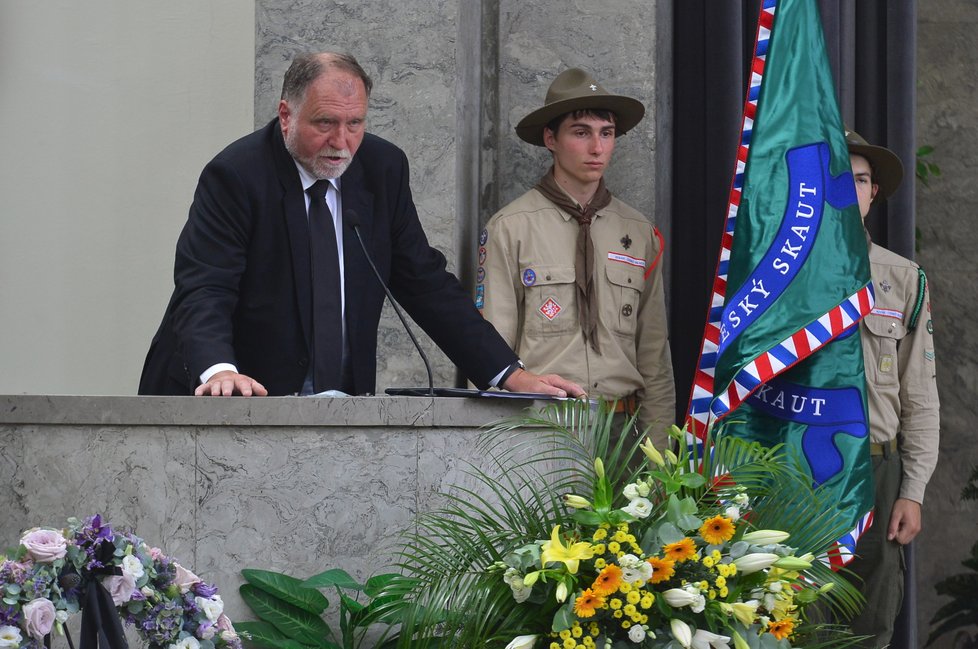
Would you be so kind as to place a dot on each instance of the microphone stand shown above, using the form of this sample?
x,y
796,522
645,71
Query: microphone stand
x,y
351,218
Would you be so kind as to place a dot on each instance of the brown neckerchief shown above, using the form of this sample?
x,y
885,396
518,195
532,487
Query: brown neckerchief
x,y
587,307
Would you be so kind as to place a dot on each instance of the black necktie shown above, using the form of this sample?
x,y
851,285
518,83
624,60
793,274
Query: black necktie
x,y
327,310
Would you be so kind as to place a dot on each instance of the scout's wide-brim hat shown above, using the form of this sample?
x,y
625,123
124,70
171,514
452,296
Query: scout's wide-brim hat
x,y
574,90
887,168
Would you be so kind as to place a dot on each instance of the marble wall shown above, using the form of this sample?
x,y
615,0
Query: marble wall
x,y
452,78
946,119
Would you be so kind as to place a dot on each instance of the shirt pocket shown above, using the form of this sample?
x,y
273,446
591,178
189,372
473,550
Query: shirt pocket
x,y
884,335
625,284
550,302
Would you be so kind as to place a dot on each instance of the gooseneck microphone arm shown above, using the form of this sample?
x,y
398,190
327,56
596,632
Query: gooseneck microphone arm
x,y
352,219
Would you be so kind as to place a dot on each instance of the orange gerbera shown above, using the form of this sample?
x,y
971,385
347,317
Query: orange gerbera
x,y
585,605
662,569
607,581
717,530
782,628
680,550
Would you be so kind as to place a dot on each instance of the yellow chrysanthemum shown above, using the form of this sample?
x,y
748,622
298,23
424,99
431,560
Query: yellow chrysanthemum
x,y
721,582
614,547
717,530
586,604
782,628
570,643
553,551
576,630
625,624
662,569
680,550
600,563
600,534
598,548
617,614
607,581
624,587
708,562
564,634
554,645
629,610
633,597
615,603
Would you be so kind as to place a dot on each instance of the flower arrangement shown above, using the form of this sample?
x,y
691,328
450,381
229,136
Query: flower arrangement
x,y
584,543
54,574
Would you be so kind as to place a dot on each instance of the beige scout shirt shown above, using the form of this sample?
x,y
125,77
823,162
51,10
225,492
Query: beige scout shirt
x,y
526,289
900,370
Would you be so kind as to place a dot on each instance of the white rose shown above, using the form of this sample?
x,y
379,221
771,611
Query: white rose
x,y
189,642
521,593
211,606
10,637
631,491
636,633
133,566
639,508
733,513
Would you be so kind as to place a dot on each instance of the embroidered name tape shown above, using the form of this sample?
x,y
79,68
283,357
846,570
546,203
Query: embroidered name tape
x,y
627,259
888,313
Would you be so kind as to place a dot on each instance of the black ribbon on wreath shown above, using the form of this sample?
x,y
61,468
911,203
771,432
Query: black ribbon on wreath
x,y
101,627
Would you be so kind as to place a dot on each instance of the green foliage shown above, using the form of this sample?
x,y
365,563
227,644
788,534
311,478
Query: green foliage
x,y
290,610
925,169
962,611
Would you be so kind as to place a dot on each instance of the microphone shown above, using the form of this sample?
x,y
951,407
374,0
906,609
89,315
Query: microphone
x,y
352,219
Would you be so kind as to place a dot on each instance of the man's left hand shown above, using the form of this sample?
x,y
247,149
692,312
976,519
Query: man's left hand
x,y
552,384
904,521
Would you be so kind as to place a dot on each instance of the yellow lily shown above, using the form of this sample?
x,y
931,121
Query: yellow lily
x,y
571,555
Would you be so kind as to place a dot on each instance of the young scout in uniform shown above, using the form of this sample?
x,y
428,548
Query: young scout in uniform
x,y
571,276
898,351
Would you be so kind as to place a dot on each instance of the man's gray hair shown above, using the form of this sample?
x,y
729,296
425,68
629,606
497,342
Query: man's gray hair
x,y
307,67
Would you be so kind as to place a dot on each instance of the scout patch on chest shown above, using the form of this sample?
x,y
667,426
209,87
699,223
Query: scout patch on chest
x,y
550,309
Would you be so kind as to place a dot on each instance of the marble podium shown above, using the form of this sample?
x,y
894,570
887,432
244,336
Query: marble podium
x,y
293,484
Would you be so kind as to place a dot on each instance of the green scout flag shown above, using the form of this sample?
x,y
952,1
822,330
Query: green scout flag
x,y
781,352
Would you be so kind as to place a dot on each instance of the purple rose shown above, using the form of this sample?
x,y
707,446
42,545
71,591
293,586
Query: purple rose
x,y
120,587
184,579
38,617
204,590
45,546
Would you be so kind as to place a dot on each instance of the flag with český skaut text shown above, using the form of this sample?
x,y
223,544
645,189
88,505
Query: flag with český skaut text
x,y
781,358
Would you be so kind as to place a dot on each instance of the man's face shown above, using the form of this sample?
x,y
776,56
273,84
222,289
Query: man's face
x,y
582,148
325,129
866,190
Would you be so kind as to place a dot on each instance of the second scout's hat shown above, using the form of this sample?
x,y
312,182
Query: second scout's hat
x,y
573,90
887,168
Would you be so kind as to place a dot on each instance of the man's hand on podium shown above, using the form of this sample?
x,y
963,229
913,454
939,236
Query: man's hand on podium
x,y
228,383
552,384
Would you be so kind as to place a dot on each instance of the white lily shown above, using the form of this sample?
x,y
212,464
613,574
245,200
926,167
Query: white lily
x,y
522,642
681,632
751,563
562,591
677,597
766,537
652,453
704,639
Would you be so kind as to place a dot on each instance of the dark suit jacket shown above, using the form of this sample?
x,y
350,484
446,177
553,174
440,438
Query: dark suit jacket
x,y
242,274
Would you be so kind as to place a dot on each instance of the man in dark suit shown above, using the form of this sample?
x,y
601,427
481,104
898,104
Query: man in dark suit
x,y
273,295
